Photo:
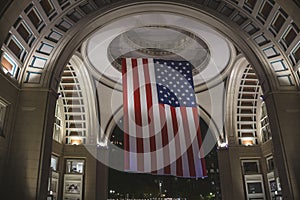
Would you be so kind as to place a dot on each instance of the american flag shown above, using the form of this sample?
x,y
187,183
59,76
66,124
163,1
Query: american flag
x,y
161,122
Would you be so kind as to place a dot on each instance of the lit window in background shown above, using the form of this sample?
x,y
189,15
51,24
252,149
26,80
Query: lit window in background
x,y
75,138
265,129
54,162
76,141
3,108
58,128
75,166
248,139
8,64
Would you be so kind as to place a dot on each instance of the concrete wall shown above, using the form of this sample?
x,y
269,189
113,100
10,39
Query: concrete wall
x,y
89,154
73,151
9,93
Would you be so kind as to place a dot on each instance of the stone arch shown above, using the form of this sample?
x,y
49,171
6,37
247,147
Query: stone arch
x,y
210,140
258,33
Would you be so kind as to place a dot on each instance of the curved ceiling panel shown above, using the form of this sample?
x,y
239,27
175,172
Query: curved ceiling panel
x,y
158,35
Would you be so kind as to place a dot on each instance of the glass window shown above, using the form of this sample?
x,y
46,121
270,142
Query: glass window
x,y
57,129
2,116
250,166
273,185
8,65
75,166
265,130
270,163
254,188
54,163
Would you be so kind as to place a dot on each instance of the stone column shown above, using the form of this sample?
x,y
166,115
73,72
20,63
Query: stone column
x,y
231,177
284,114
102,174
225,173
28,166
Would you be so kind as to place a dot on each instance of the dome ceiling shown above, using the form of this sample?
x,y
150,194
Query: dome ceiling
x,y
165,36
165,42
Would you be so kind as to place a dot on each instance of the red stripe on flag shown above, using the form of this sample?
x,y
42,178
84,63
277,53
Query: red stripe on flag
x,y
199,138
188,142
165,140
138,116
166,114
125,107
179,170
150,116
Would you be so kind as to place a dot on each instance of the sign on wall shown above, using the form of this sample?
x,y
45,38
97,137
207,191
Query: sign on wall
x,y
73,184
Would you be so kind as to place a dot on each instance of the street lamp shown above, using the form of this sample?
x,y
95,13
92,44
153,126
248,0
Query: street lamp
x,y
160,187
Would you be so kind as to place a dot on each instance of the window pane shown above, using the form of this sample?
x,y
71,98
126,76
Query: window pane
x,y
35,19
47,6
270,163
15,48
75,166
2,116
254,188
23,31
273,186
250,167
54,162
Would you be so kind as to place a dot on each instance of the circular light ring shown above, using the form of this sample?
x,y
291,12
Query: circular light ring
x,y
172,38
95,48
135,44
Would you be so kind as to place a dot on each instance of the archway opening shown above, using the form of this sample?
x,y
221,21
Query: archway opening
x,y
123,184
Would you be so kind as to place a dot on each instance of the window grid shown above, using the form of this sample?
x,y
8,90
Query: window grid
x,y
58,122
247,102
265,130
74,111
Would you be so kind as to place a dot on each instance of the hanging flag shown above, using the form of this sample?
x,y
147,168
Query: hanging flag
x,y
161,123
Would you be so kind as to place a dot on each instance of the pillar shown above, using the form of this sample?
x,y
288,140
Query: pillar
x,y
231,177
102,173
284,114
28,163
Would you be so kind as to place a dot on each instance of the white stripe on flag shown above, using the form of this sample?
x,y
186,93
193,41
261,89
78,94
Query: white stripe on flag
x,y
195,146
131,117
171,143
144,111
183,147
157,126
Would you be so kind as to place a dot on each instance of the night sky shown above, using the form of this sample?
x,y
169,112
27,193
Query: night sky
x,y
133,185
